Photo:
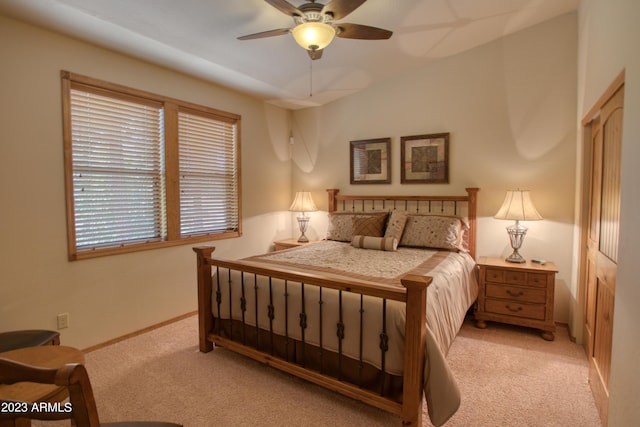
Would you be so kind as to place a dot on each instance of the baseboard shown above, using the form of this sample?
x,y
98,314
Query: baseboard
x,y
139,332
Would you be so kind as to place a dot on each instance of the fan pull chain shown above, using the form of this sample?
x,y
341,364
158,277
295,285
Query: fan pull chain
x,y
310,78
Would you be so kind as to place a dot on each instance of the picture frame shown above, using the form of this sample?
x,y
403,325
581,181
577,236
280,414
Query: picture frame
x,y
424,159
370,161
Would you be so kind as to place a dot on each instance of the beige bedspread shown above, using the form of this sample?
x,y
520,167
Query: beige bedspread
x,y
451,293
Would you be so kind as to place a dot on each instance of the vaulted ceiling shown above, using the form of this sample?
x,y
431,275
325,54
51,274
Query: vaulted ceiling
x,y
199,37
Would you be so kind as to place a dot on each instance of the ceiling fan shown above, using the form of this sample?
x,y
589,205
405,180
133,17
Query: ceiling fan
x,y
316,27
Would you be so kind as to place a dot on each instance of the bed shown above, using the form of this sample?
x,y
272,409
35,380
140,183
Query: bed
x,y
348,313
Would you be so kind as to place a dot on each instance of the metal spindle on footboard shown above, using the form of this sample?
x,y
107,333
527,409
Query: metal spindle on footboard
x,y
361,343
255,308
286,315
229,283
243,309
321,329
218,297
271,315
303,322
384,345
340,334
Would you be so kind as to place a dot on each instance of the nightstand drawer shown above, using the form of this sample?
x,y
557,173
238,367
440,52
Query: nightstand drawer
x,y
516,293
537,279
494,275
511,308
515,277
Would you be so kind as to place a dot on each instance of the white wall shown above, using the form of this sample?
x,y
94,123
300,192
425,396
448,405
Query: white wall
x,y
608,43
110,296
510,107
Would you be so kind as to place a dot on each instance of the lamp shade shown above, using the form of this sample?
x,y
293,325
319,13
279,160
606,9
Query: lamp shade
x,y
303,202
313,35
518,206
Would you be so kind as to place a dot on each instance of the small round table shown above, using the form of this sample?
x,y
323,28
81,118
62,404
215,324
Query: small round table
x,y
13,340
48,356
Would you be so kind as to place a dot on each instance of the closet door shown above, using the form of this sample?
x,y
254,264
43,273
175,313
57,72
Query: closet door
x,y
602,244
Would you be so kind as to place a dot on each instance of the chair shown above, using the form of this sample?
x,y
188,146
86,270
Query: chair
x,y
81,407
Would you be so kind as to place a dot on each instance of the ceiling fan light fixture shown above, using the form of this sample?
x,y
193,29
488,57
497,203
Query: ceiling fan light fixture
x,y
313,35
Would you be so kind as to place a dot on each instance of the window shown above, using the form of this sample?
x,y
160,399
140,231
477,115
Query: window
x,y
144,171
207,174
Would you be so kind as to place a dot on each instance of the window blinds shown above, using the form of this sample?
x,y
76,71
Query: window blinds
x,y
208,174
118,170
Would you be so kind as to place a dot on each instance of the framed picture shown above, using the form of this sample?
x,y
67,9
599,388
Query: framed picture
x,y
371,161
425,159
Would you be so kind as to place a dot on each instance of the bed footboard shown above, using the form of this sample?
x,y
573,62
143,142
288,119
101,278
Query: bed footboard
x,y
413,294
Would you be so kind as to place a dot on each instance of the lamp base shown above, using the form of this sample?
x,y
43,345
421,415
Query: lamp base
x,y
516,258
303,221
516,232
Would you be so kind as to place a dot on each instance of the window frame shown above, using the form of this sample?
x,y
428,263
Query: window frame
x,y
171,108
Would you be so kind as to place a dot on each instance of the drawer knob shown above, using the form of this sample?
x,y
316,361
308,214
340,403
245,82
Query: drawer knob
x,y
515,310
514,294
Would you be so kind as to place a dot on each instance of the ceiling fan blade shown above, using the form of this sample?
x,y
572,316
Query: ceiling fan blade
x,y
341,8
285,7
270,33
362,32
315,54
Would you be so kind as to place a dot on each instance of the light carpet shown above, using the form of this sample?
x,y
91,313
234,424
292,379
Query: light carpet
x,y
508,376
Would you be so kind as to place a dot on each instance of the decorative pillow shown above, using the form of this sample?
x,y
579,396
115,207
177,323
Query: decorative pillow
x,y
379,243
368,225
433,231
396,223
341,224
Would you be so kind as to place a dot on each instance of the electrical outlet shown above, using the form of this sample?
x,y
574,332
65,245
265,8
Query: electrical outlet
x,y
63,320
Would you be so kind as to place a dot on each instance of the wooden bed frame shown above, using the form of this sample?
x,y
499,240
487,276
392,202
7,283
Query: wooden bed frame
x,y
413,295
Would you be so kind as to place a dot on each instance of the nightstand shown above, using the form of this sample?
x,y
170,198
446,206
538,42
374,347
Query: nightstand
x,y
518,294
290,243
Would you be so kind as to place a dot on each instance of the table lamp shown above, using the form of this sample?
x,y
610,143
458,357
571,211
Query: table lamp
x,y
517,206
303,203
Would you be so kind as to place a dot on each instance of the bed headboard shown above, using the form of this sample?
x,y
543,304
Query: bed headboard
x,y
463,206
